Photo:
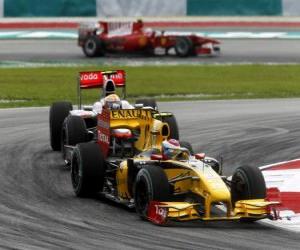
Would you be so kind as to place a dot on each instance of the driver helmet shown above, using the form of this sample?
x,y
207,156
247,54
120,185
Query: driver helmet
x,y
112,101
109,87
171,150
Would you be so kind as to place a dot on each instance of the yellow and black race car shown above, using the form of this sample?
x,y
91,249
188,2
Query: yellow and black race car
x,y
133,161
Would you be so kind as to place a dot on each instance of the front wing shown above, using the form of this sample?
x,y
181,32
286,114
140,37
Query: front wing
x,y
162,212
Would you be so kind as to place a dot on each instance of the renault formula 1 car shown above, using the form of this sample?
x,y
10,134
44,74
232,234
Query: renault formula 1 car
x,y
132,37
125,163
69,127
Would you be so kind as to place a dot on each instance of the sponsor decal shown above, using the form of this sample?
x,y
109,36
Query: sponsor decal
x,y
103,137
156,213
103,131
93,79
117,76
161,211
142,41
89,77
163,41
131,114
103,124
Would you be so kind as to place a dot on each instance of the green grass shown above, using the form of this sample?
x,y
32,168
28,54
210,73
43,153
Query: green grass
x,y
42,86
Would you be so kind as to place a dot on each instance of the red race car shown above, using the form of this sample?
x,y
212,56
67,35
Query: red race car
x,y
133,37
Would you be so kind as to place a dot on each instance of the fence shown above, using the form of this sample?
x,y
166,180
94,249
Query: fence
x,y
116,8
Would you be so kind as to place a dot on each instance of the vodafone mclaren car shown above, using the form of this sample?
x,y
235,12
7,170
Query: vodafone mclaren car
x,y
69,127
131,37
132,161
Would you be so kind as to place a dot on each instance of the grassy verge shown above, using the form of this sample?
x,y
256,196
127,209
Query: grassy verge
x,y
42,86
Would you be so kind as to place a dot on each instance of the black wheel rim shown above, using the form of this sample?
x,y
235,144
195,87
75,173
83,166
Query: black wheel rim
x,y
182,47
75,172
90,47
142,197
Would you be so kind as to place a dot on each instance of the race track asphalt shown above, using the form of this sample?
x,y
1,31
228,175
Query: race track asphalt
x,y
38,209
233,51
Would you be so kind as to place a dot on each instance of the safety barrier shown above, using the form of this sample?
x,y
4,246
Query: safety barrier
x,y
125,8
234,7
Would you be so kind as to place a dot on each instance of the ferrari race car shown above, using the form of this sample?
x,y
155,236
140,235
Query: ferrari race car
x,y
127,163
132,37
69,127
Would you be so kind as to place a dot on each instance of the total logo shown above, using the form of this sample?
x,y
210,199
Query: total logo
x,y
89,76
103,137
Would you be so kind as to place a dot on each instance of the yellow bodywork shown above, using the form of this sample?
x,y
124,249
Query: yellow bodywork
x,y
203,182
149,128
246,209
186,176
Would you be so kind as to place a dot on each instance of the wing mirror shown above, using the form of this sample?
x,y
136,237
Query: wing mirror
x,y
156,157
138,105
200,156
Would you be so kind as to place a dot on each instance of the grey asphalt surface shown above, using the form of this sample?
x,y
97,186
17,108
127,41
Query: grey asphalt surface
x,y
233,51
38,209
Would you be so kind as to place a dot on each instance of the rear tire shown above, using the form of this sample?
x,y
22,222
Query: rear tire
x,y
73,132
247,183
151,184
87,169
148,103
174,131
58,112
93,47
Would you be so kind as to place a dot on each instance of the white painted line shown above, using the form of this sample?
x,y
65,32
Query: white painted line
x,y
46,34
217,35
278,163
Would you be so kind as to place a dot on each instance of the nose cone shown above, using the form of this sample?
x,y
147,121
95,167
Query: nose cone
x,y
218,191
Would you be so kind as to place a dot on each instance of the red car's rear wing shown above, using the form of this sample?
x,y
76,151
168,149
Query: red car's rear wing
x,y
121,27
96,79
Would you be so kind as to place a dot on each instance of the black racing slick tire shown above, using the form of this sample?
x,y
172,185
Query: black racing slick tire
x,y
187,145
247,183
151,184
93,47
174,131
58,112
73,132
184,46
150,102
87,169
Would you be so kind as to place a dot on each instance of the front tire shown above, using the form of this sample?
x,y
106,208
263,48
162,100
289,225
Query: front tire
x,y
184,46
151,184
58,112
87,169
148,103
247,183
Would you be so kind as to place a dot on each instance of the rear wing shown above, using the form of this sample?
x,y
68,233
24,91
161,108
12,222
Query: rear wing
x,y
96,79
121,28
